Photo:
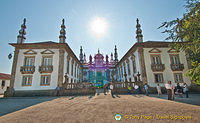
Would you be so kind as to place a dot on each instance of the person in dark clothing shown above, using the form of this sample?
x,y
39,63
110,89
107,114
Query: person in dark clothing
x,y
179,90
185,90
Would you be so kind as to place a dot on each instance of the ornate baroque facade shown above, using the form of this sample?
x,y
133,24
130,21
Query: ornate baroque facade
x,y
43,66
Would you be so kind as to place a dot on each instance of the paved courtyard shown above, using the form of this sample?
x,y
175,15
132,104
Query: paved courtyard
x,y
98,109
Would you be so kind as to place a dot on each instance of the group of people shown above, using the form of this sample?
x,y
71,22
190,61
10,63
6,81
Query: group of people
x,y
172,90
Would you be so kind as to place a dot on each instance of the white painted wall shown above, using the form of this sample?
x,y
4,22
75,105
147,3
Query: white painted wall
x,y
167,73
131,67
36,76
3,89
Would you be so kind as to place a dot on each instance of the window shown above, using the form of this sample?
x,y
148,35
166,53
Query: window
x,y
156,59
27,80
158,77
178,77
174,59
45,80
3,83
29,61
47,61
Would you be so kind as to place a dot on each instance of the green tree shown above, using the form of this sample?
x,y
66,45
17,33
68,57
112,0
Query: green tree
x,y
185,34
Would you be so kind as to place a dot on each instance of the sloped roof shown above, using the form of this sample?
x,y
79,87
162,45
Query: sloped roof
x,y
4,76
47,44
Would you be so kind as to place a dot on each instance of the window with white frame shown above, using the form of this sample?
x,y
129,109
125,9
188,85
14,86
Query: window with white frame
x,y
158,77
45,79
175,59
47,61
178,77
27,80
29,61
156,59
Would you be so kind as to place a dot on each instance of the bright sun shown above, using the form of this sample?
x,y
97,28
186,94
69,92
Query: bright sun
x,y
98,26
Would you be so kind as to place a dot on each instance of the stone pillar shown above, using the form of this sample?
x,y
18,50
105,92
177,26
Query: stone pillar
x,y
142,64
66,80
10,91
60,67
126,81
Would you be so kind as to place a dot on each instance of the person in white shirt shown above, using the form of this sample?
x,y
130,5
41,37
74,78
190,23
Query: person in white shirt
x,y
168,86
159,90
111,88
136,89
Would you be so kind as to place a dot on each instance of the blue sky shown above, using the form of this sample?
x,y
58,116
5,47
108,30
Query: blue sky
x,y
44,20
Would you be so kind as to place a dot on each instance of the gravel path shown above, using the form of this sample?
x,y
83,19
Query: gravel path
x,y
102,108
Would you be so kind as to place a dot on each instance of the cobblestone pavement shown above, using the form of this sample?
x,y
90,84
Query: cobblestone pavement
x,y
97,109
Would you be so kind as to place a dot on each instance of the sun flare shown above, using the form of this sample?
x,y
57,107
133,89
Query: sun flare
x,y
98,26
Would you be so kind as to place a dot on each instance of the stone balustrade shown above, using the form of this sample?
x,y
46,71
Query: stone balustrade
x,y
27,69
46,69
157,67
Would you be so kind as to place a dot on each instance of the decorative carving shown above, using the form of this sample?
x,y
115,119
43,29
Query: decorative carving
x,y
30,52
173,51
155,50
47,51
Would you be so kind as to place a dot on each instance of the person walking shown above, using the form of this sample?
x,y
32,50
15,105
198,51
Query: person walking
x,y
159,90
146,89
111,88
185,90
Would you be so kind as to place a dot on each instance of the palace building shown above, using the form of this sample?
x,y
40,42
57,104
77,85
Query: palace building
x,y
43,66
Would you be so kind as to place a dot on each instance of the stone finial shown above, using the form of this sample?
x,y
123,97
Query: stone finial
x,y
84,59
90,59
115,55
139,35
62,32
81,55
21,37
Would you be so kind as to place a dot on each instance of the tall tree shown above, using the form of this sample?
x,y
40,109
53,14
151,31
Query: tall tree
x,y
185,34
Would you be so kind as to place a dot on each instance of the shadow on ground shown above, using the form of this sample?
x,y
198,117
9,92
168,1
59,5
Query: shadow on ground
x,y
8,105
193,99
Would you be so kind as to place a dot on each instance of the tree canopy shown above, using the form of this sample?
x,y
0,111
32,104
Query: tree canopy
x,y
185,34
